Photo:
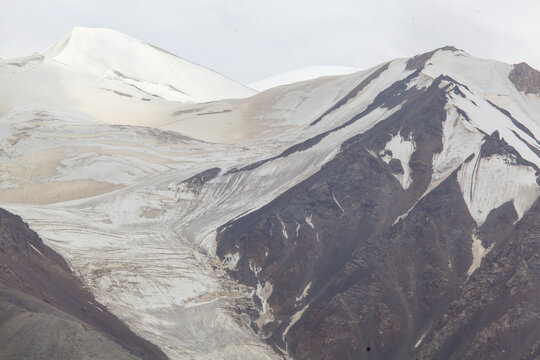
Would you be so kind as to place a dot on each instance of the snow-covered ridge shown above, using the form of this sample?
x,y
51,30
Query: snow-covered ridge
x,y
303,74
108,53
111,199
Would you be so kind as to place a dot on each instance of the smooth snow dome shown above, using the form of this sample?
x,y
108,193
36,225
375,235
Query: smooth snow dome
x,y
111,54
302,74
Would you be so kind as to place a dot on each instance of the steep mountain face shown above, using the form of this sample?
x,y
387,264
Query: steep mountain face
x,y
46,313
388,213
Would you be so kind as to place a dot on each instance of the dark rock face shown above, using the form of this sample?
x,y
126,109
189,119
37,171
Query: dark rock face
x,y
494,315
45,313
351,280
525,78
419,61
196,181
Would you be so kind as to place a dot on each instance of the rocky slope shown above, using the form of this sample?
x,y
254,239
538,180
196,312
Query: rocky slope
x,y
370,215
46,313
338,277
390,251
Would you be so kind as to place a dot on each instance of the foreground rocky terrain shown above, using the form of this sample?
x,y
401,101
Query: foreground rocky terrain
x,y
46,313
387,213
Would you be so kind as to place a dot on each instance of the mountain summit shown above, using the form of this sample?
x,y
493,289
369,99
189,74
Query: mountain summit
x,y
140,67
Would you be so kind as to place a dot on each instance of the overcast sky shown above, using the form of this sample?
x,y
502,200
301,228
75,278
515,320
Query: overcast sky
x,y
248,40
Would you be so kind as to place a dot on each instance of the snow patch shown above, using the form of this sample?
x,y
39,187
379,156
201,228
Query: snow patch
x,y
401,149
460,139
263,293
256,269
309,221
478,253
231,260
304,293
488,183
420,82
297,227
283,229
420,340
294,320
33,247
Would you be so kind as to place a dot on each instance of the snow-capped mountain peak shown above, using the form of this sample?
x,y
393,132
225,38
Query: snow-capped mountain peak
x,y
405,175
110,54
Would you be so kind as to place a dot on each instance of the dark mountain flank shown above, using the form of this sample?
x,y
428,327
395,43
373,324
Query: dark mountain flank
x,y
350,264
45,313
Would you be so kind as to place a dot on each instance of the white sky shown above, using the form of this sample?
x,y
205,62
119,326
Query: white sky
x,y
248,40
